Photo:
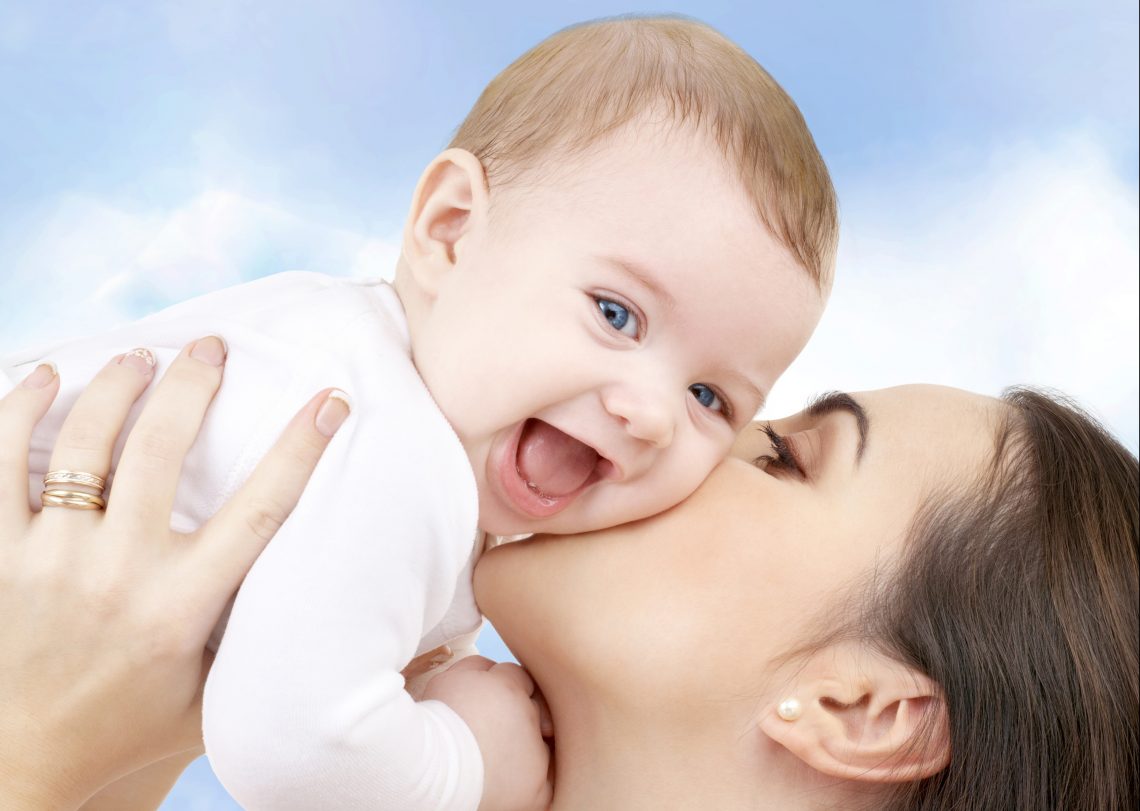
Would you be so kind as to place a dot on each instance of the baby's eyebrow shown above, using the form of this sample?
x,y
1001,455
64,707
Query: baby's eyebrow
x,y
642,276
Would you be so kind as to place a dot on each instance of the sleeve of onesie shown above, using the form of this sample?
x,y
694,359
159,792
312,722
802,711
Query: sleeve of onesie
x,y
305,707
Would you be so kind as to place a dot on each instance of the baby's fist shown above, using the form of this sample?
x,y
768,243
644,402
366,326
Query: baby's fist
x,y
498,702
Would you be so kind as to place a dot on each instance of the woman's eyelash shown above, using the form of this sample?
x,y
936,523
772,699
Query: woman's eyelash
x,y
785,458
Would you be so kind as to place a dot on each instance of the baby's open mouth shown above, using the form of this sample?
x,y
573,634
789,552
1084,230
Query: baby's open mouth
x,y
553,464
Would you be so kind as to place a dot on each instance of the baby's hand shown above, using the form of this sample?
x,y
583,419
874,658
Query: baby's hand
x,y
500,705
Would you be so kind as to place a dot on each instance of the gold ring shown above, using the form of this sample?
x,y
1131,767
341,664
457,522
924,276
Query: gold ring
x,y
72,499
75,477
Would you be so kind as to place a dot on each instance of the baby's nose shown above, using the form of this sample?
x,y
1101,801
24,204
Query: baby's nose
x,y
645,415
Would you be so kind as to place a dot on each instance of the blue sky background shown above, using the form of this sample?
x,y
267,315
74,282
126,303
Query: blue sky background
x,y
985,155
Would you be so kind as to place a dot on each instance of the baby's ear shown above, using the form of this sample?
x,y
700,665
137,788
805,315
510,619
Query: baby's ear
x,y
449,203
855,715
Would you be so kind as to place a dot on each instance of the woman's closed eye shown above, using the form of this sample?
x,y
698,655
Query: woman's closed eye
x,y
784,458
620,317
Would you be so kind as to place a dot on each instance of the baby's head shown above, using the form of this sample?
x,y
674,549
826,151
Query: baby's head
x,y
629,240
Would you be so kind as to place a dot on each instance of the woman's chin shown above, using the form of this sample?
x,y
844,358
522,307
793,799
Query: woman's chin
x,y
516,579
492,581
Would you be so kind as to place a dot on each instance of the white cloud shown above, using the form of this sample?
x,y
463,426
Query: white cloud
x,y
89,264
1024,271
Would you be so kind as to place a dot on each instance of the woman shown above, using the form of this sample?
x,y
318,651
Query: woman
x,y
917,598
895,607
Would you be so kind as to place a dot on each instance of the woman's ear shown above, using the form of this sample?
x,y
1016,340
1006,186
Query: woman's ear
x,y
449,203
856,715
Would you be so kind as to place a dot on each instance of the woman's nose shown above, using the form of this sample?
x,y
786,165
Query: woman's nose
x,y
645,415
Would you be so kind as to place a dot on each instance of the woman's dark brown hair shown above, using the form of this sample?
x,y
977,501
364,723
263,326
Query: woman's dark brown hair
x,y
1019,598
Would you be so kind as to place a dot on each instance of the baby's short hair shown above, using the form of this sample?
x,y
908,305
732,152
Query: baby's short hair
x,y
587,81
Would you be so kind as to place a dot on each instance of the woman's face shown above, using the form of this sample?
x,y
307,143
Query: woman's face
x,y
703,595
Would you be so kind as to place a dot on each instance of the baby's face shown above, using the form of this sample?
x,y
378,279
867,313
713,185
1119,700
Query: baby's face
x,y
601,341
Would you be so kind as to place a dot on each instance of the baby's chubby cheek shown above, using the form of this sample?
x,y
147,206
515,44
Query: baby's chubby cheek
x,y
671,487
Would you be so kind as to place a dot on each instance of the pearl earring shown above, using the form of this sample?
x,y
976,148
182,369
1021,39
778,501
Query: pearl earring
x,y
789,709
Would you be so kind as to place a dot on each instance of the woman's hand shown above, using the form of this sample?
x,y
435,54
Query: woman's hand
x,y
106,614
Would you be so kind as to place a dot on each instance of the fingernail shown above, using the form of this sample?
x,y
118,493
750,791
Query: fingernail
x,y
141,360
333,412
210,350
43,374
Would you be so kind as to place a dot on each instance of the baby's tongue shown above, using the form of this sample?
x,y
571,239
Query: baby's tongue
x,y
552,462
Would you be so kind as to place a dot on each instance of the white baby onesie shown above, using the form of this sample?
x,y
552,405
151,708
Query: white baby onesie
x,y
305,707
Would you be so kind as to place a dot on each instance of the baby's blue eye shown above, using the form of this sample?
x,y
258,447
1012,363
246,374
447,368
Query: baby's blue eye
x,y
706,396
619,317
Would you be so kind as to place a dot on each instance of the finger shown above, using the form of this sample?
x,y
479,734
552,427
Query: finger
x,y
545,719
20,410
516,675
88,435
233,538
148,473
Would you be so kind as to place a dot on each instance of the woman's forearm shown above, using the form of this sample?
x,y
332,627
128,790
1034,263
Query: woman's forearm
x,y
143,790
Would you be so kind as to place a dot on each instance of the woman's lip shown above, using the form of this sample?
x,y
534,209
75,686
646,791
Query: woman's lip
x,y
514,490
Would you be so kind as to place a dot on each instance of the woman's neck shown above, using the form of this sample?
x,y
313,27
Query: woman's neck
x,y
622,766
632,763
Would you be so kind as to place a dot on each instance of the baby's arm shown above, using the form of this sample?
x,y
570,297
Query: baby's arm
x,y
305,706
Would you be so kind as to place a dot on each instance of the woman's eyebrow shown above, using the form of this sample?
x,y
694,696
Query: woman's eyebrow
x,y
833,401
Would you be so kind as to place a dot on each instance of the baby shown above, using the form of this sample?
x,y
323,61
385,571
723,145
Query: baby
x,y
627,242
